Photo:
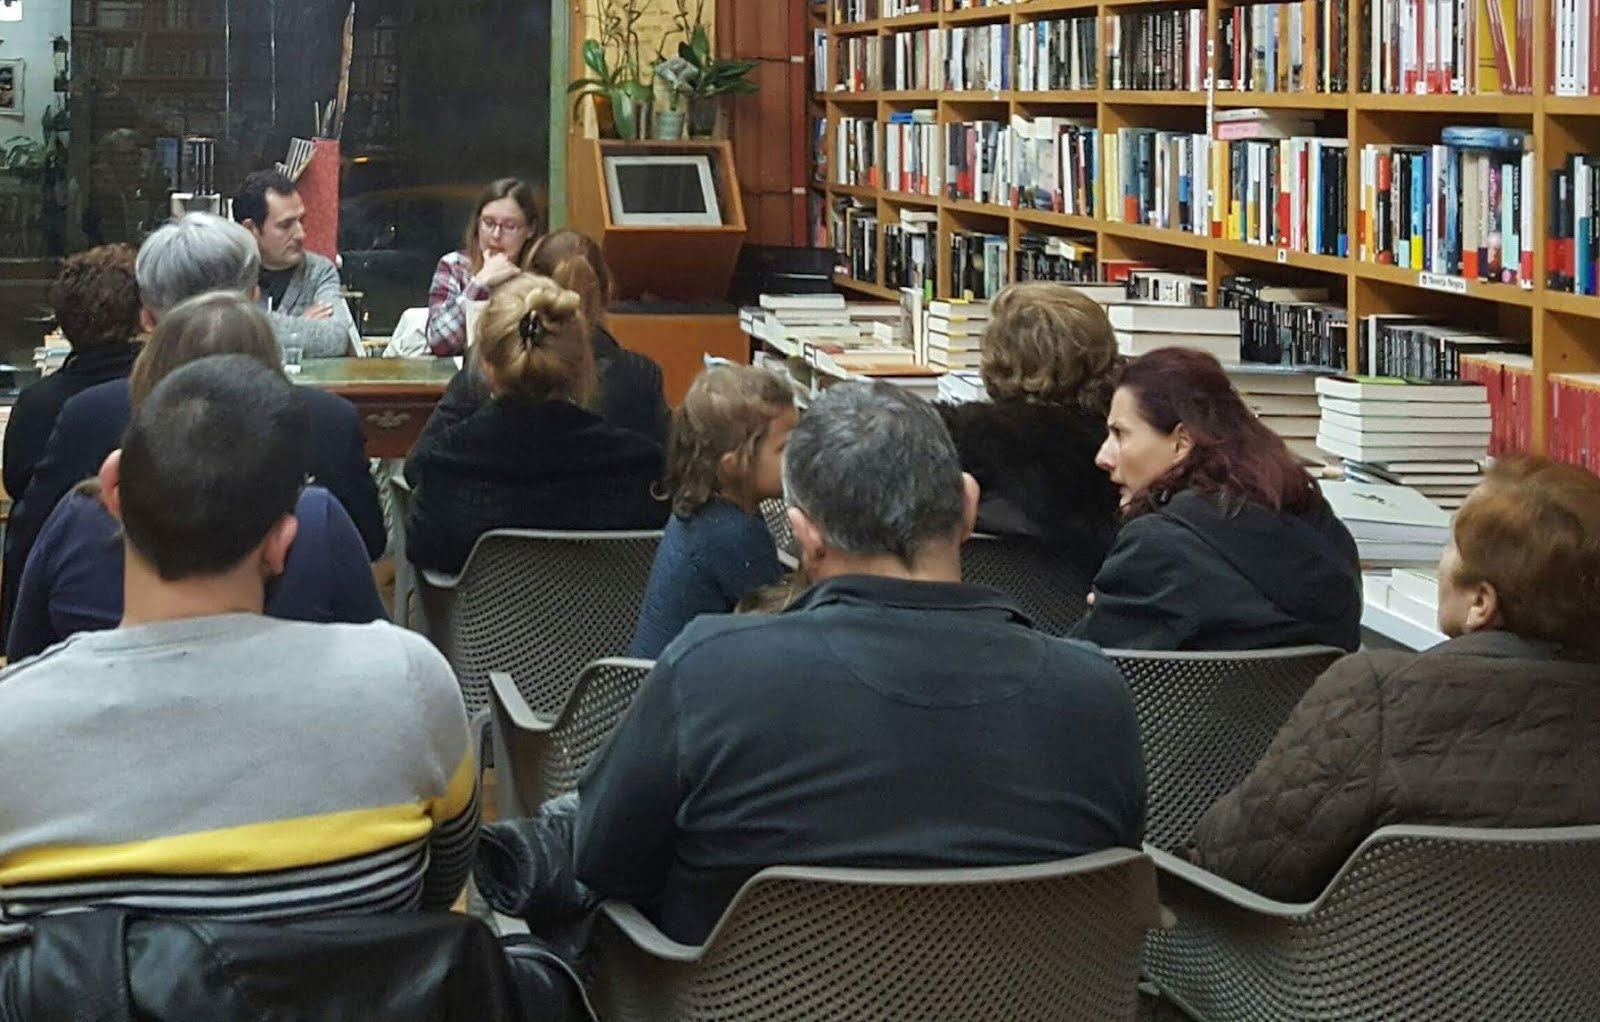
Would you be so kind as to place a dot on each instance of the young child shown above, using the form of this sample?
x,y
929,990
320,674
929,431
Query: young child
x,y
724,457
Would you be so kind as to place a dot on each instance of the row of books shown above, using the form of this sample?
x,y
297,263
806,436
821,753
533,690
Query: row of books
x,y
1059,54
980,264
1575,49
1574,407
1162,50
1412,348
854,230
910,251
843,12
1044,257
1507,380
1459,208
1298,46
1448,47
1573,234
1287,325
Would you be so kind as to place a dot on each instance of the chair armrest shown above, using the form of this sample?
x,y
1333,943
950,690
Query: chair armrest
x,y
1242,897
516,707
645,936
438,579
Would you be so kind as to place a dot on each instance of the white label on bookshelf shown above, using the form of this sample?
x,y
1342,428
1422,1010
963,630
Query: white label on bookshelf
x,y
1283,255
1440,282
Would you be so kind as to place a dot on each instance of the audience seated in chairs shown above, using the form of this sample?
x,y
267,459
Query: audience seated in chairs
x,y
1226,543
96,302
725,457
891,717
535,456
1049,355
73,579
223,763
1498,727
191,256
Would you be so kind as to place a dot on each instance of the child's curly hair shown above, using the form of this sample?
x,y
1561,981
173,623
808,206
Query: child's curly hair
x,y
727,411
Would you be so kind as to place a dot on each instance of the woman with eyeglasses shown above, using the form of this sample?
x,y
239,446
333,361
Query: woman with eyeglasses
x,y
505,220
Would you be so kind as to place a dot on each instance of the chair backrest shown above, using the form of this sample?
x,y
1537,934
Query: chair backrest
x,y
1204,721
1422,923
541,605
1057,941
1045,585
537,761
776,513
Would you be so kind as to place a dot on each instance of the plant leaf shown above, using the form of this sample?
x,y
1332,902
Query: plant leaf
x,y
624,113
594,56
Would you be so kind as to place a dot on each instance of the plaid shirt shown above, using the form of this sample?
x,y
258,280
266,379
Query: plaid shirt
x,y
453,287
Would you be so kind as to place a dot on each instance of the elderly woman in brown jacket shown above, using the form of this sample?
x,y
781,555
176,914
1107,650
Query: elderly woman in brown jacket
x,y
1498,727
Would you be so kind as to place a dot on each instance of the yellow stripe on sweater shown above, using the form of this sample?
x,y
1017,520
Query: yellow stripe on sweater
x,y
251,848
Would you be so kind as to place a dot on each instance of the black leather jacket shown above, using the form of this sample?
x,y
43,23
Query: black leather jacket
x,y
116,966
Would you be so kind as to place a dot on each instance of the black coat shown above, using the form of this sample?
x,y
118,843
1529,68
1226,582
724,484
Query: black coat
x,y
516,464
91,426
1034,463
1192,577
630,394
34,415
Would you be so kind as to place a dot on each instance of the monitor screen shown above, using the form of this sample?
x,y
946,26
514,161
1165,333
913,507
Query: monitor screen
x,y
662,190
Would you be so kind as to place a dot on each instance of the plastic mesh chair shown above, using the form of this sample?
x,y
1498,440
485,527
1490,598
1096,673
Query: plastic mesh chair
x,y
541,758
776,513
399,495
1423,923
538,606
1205,719
1045,585
1058,941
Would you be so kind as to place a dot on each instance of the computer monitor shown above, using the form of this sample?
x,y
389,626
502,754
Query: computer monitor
x,y
662,191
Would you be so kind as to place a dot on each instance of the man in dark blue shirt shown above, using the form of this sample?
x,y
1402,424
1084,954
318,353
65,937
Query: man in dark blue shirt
x,y
893,717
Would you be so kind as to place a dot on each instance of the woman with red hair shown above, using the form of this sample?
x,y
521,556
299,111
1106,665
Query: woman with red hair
x,y
1226,542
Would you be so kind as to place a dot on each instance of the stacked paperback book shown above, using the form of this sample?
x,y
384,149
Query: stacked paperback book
x,y
52,354
955,334
1393,526
1284,398
1433,437
1142,328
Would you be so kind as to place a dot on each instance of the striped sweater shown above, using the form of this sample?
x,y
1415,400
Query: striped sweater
x,y
235,766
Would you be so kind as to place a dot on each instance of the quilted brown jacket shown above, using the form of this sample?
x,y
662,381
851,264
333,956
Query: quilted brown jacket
x,y
1487,730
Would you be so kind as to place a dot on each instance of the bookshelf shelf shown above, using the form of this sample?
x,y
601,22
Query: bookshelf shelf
x,y
1573,305
866,288
1447,104
1283,100
1563,328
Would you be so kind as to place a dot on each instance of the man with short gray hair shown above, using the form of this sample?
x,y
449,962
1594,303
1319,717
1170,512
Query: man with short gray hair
x,y
196,253
892,717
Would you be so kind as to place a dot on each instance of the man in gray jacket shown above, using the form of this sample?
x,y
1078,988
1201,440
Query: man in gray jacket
x,y
300,289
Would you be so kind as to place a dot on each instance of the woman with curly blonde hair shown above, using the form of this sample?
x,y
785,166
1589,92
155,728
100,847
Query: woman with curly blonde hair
x,y
1049,355
536,455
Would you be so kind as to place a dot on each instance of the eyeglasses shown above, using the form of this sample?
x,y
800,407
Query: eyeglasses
x,y
488,226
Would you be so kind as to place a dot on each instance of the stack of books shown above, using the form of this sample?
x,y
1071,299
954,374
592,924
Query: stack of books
x,y
955,334
1393,526
52,354
1143,328
961,387
1430,436
1414,595
1284,398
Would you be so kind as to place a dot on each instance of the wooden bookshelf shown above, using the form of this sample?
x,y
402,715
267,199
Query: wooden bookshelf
x,y
1564,329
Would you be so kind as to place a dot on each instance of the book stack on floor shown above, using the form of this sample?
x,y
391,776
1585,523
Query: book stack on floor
x,y
955,334
52,354
1142,328
1393,526
1430,436
1284,398
1414,595
961,387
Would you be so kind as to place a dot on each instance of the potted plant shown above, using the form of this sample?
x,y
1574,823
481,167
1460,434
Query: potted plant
x,y
619,97
713,79
678,77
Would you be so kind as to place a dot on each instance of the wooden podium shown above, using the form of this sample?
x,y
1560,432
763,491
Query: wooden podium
x,y
689,268
671,263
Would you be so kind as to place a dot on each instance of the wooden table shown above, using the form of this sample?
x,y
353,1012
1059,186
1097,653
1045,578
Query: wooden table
x,y
394,396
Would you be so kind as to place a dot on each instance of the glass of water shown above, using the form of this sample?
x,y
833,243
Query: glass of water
x,y
292,354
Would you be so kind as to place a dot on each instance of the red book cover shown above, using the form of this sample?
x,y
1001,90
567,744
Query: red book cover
x,y
1557,446
1591,439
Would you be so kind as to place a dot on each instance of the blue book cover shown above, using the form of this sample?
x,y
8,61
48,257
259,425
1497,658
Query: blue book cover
x,y
1479,137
